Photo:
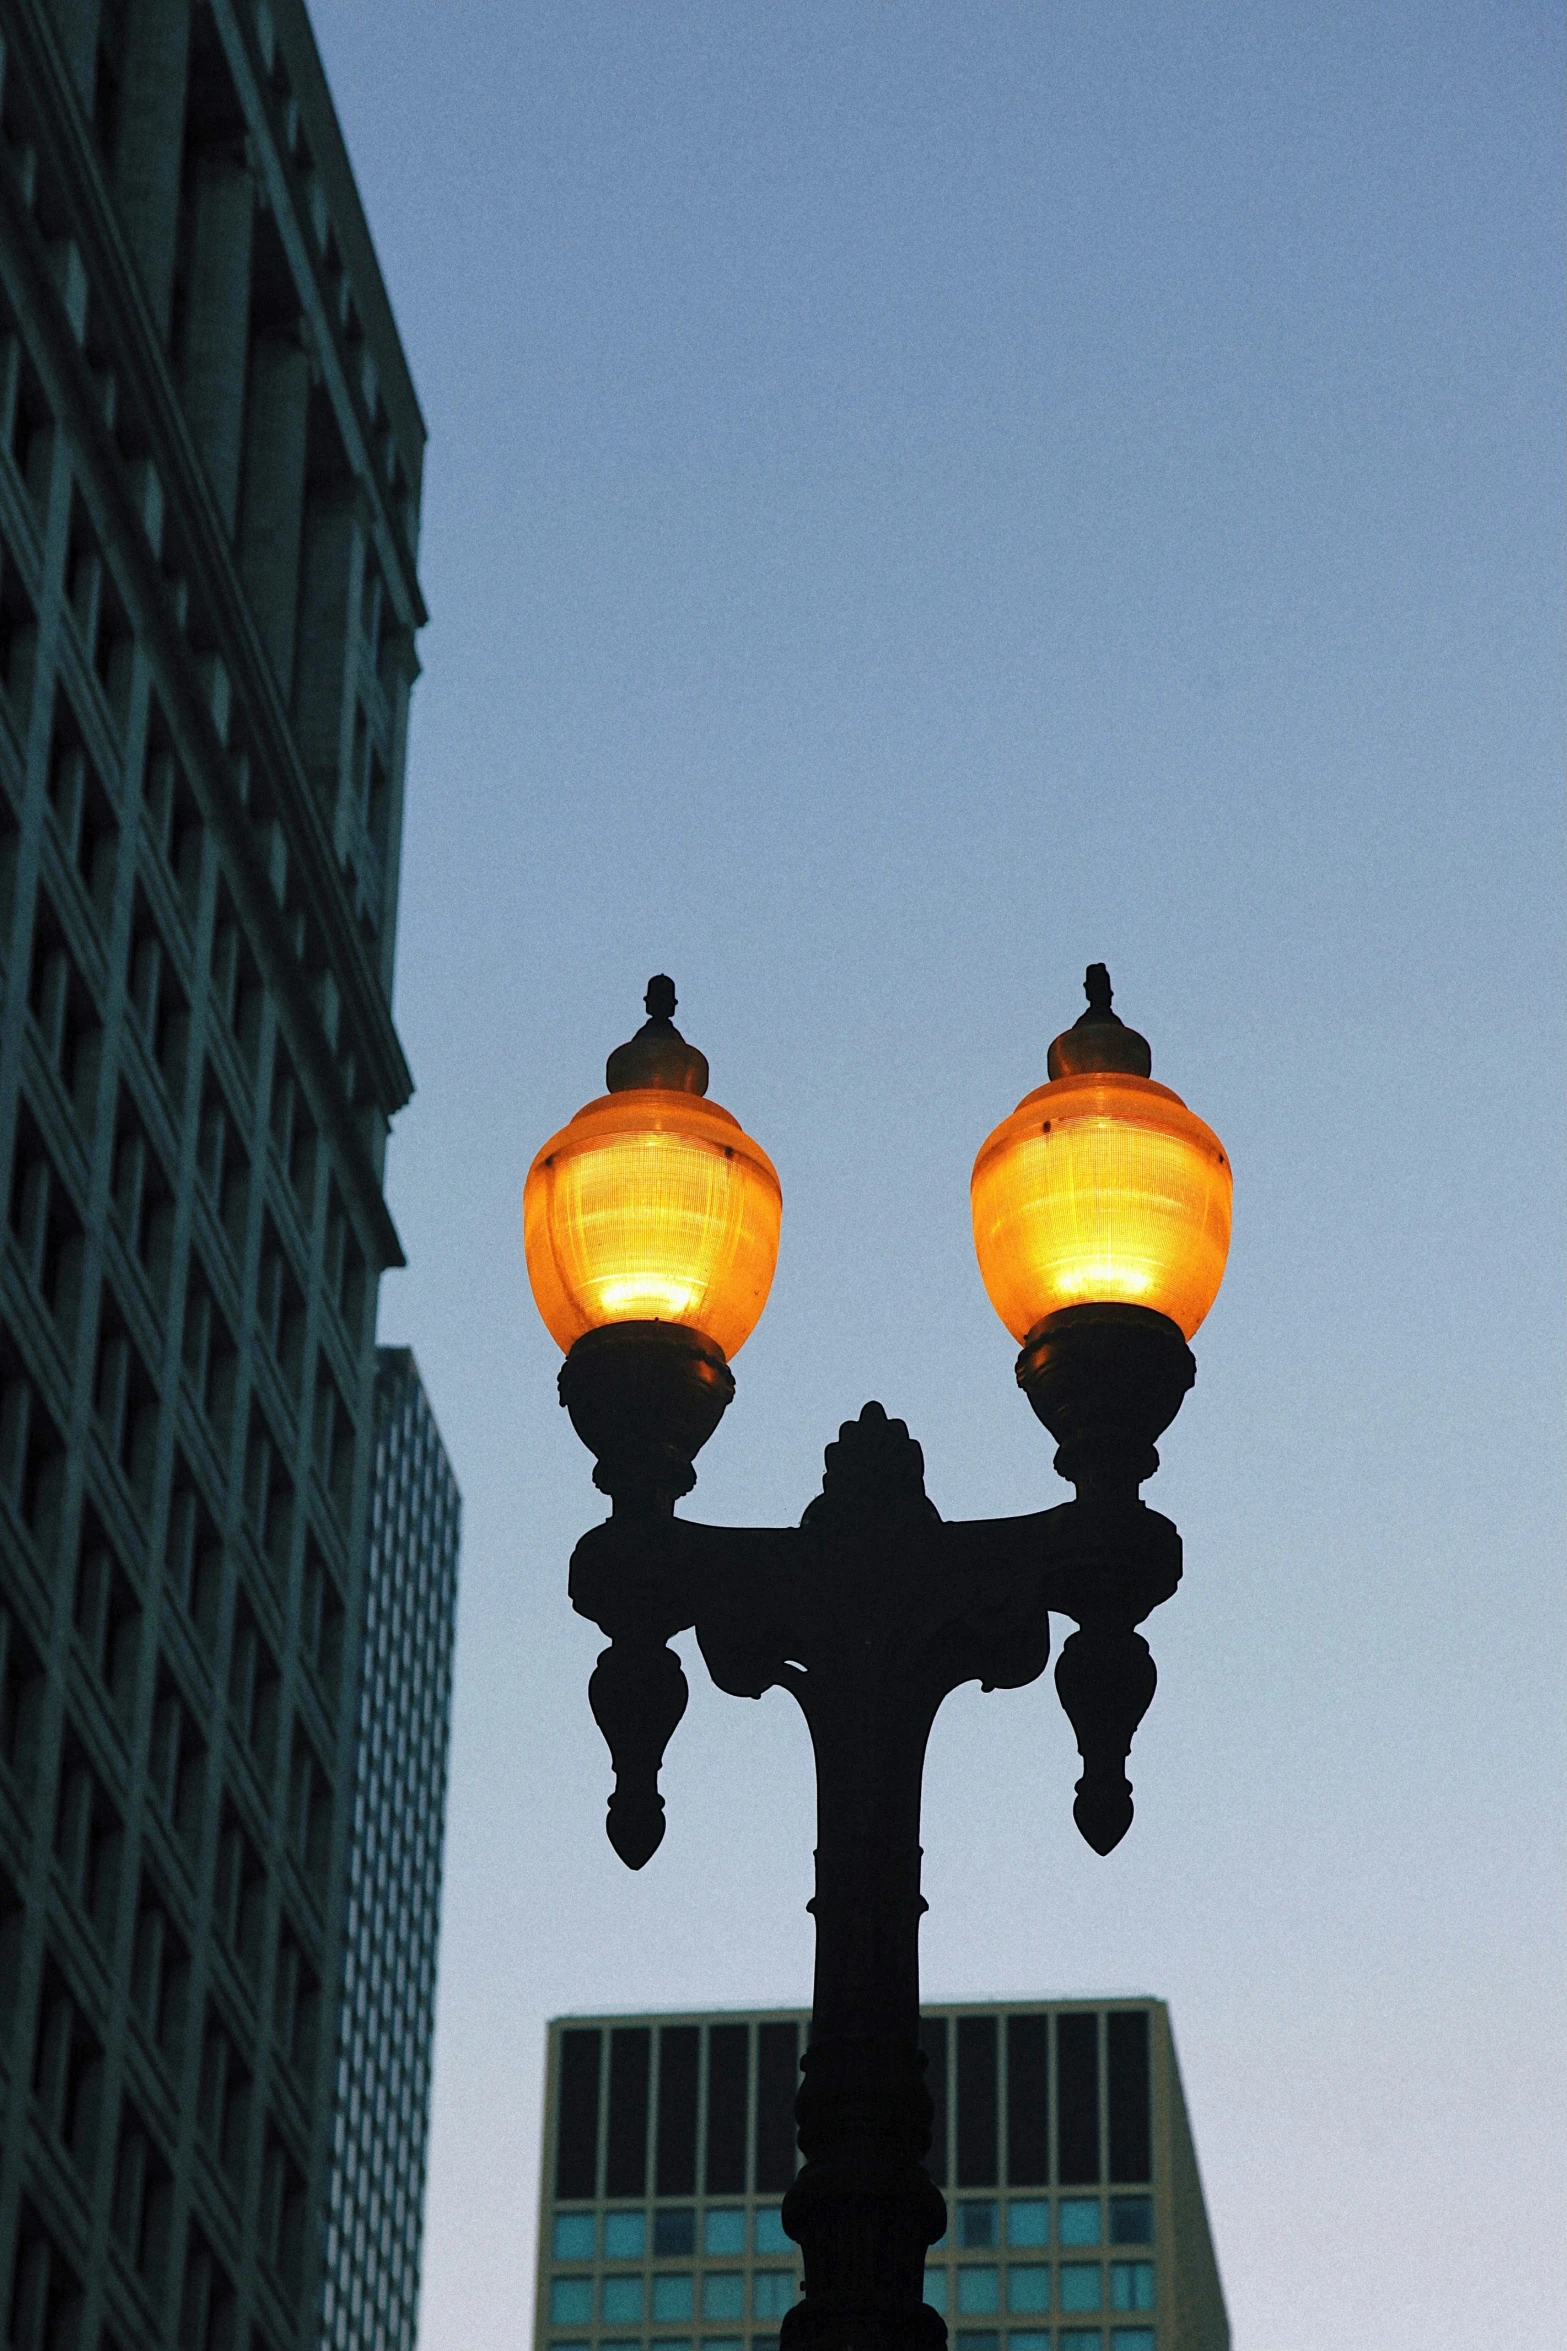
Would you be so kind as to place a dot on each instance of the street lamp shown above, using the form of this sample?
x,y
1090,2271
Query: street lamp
x,y
1101,1222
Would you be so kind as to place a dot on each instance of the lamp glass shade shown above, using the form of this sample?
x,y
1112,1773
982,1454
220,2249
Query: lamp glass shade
x,y
652,1206
1101,1187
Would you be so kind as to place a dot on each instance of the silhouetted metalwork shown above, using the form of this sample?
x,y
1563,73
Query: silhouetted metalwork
x,y
869,1612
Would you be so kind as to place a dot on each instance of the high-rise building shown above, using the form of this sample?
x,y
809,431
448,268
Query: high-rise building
x,y
386,2018
1061,2141
210,456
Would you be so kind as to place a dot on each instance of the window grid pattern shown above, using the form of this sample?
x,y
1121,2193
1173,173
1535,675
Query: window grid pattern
x,y
375,2196
196,1070
1059,2140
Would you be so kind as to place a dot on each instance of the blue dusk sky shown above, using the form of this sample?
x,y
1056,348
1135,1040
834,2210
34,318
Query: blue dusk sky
x,y
921,498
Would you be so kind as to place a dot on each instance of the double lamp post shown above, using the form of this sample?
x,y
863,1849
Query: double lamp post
x,y
1101,1222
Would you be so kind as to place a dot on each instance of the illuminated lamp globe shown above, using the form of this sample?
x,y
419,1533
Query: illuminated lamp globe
x,y
653,1205
1102,1187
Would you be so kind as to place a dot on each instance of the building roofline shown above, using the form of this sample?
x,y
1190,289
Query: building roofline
x,y
1016,2002
329,150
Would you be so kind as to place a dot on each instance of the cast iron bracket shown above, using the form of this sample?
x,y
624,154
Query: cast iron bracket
x,y
869,1612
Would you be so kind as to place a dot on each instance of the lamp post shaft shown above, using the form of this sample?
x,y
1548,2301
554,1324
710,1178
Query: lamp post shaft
x,y
864,2209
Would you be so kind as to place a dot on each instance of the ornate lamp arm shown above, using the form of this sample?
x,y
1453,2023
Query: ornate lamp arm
x,y
869,1613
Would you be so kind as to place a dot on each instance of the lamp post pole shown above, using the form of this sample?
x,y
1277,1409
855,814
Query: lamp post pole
x,y
869,1612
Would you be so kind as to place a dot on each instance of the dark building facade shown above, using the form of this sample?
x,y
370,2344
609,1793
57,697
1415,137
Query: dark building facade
x,y
1061,2142
210,461
386,2019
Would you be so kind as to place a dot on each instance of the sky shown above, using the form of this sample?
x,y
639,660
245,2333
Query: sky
x,y
921,498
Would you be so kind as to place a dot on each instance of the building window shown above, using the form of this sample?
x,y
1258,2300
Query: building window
x,y
767,2235
936,2289
1028,2221
672,2296
979,2290
1131,2339
1131,2220
723,2294
1080,2285
571,2301
621,2300
625,2236
772,2293
674,2234
976,2224
1131,2285
1078,2220
573,2238
723,2231
1028,2287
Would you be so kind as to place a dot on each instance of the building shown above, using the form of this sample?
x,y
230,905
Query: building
x,y
386,2021
210,458
1061,2142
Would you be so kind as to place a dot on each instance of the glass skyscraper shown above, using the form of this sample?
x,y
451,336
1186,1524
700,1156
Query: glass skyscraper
x,y
210,462
375,2200
1061,2141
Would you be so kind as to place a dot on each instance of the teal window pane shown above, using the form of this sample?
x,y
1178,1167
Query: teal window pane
x,y
936,2289
1080,2339
1077,2220
1131,2339
767,2231
976,2225
1131,2220
1028,2221
1080,2285
619,2343
979,2290
1029,2339
1131,2285
557,2345
625,2236
723,2294
573,2236
621,2300
571,2301
985,2339
722,2343
772,2292
723,2231
672,2296
672,2343
1028,2286
674,2233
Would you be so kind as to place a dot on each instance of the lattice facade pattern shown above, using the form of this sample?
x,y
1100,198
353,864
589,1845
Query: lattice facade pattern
x,y
375,2199
209,469
1059,2137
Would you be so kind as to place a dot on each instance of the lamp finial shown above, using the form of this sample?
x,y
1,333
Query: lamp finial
x,y
658,1054
1098,1038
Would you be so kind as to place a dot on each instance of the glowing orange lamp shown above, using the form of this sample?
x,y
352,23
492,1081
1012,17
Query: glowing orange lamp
x,y
1101,1211
651,1226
